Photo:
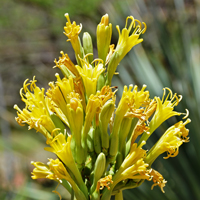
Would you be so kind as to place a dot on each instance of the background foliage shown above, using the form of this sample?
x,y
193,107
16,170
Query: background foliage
x,y
31,38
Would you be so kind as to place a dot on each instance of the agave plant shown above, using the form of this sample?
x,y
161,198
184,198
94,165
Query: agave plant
x,y
100,145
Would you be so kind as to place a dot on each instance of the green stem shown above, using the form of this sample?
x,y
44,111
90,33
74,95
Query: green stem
x,y
67,186
72,195
119,196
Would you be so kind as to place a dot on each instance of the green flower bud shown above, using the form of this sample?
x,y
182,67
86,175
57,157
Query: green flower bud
x,y
57,121
66,72
124,130
101,82
90,139
95,195
87,46
98,170
97,140
104,118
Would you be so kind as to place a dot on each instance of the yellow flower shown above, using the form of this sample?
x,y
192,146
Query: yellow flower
x,y
133,166
125,44
170,142
164,110
131,101
90,75
75,115
36,113
72,31
41,171
55,170
104,33
136,153
62,149
58,93
75,118
59,170
126,41
65,63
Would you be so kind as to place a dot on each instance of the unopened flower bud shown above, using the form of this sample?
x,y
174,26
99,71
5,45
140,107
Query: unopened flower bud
x,y
87,46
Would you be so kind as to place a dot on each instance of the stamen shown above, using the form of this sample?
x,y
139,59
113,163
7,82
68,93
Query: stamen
x,y
145,28
56,192
137,29
33,85
131,24
140,24
170,92
97,60
186,114
67,17
25,85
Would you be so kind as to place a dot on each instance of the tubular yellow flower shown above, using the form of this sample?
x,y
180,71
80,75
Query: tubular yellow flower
x,y
75,115
133,166
55,170
36,113
41,171
62,149
72,31
90,75
125,44
164,110
135,154
65,63
70,71
104,33
126,41
75,118
92,106
59,93
132,100
170,142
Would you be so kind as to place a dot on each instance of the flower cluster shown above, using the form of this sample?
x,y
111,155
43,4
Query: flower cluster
x,y
98,144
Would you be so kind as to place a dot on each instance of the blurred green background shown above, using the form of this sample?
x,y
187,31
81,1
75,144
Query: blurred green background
x,y
31,38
